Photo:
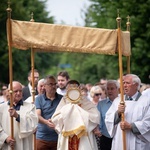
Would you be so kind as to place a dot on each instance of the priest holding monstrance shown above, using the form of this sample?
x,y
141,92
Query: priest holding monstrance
x,y
75,119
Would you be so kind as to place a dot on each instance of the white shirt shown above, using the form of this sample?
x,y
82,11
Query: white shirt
x,y
61,92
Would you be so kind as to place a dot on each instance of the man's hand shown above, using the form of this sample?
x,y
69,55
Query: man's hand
x,y
124,125
11,142
50,124
13,112
97,132
121,109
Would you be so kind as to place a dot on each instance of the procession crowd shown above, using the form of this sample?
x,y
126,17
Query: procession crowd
x,y
62,114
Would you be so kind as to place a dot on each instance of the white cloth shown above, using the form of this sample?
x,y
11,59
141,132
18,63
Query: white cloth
x,y
146,92
137,112
22,131
61,91
30,99
2,99
70,119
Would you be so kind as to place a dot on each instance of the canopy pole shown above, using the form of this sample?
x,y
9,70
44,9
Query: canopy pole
x,y
9,28
118,19
33,87
32,66
128,57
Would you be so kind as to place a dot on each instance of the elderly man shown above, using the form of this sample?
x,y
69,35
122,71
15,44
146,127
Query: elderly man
x,y
40,89
25,122
104,141
137,117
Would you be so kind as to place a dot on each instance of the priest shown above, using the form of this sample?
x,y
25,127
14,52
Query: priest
x,y
75,119
25,121
137,117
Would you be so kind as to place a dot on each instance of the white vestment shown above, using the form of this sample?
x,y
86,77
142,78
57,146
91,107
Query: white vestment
x,y
137,112
146,92
72,119
23,131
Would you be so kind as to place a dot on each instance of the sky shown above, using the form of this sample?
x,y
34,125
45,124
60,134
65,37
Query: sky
x,y
68,11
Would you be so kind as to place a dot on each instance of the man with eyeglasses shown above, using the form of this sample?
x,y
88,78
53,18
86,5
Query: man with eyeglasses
x,y
25,121
46,136
136,122
4,96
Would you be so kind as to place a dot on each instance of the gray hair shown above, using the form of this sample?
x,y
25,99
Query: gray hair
x,y
113,82
48,77
40,81
135,79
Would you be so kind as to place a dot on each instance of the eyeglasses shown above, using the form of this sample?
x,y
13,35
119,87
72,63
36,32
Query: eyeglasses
x,y
98,94
51,84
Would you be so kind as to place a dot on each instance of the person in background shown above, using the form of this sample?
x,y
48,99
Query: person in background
x,y
24,118
75,119
104,91
104,140
5,95
136,122
27,90
89,86
46,136
62,79
84,91
103,81
95,93
40,89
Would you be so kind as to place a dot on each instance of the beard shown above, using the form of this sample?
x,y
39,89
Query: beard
x,y
62,87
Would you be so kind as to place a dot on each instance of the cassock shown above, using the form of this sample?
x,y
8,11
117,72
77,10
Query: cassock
x,y
23,130
76,119
137,112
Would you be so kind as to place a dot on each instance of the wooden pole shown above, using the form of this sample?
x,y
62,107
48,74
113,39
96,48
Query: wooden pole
x,y
128,57
33,87
121,76
32,67
9,31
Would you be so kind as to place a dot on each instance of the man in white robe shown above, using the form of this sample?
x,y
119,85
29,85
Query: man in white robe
x,y
25,121
137,117
79,118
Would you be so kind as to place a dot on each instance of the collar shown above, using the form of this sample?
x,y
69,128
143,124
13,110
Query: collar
x,y
108,100
135,97
30,88
18,104
56,95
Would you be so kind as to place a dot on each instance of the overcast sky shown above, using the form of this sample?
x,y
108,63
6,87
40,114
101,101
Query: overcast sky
x,y
68,11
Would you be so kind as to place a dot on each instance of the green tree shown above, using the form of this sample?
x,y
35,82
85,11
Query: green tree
x,y
21,10
102,14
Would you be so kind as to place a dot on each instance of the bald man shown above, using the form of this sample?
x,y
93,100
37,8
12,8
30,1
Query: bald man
x,y
24,118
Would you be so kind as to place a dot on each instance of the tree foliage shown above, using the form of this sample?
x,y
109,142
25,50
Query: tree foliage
x,y
22,10
102,14
82,67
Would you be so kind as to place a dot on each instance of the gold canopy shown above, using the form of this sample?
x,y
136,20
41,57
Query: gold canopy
x,y
61,38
